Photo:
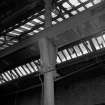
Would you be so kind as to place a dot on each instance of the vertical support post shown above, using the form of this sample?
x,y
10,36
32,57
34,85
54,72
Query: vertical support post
x,y
48,9
48,62
48,58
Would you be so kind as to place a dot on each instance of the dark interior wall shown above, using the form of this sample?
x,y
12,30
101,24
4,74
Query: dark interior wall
x,y
84,89
86,92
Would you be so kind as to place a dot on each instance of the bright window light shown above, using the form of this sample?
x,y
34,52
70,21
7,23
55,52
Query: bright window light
x,y
13,33
54,22
84,1
31,33
58,60
5,77
101,41
2,38
0,82
25,27
42,17
26,69
88,45
61,56
30,24
81,9
78,51
83,48
22,70
60,19
89,5
72,53
29,66
41,28
104,36
36,31
34,66
8,76
1,42
74,2
96,1
95,44
74,12
66,16
15,73
17,70
66,5
12,75
37,21
19,30
53,15
66,54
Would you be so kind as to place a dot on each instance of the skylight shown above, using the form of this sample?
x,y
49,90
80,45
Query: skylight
x,y
67,54
74,2
36,24
64,10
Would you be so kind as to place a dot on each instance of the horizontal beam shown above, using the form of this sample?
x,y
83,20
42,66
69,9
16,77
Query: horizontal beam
x,y
75,28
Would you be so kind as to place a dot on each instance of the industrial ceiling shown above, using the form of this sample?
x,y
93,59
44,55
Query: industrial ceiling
x,y
21,21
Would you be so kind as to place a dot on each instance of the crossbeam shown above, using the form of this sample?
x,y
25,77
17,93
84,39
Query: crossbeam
x,y
80,26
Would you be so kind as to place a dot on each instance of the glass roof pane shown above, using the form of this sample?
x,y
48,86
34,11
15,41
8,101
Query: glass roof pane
x,y
22,70
74,12
17,70
19,30
37,21
83,1
5,77
81,9
13,33
101,41
104,36
66,54
66,5
29,66
8,76
15,73
71,51
58,60
41,28
36,31
0,82
31,33
12,75
34,66
83,48
60,19
25,27
61,56
31,24
89,5
53,15
95,44
78,51
42,17
26,69
97,1
54,22
66,16
74,2
22,29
